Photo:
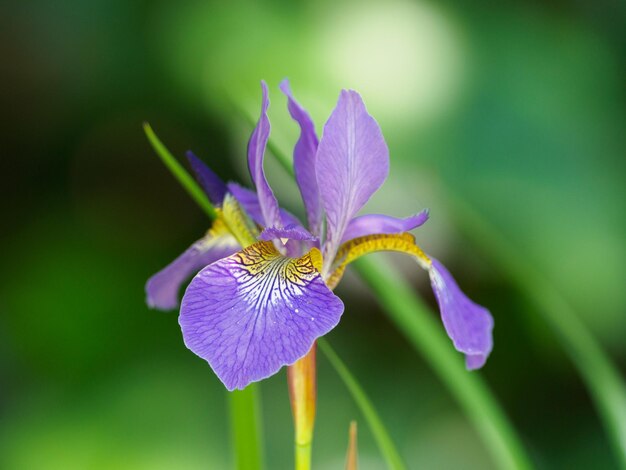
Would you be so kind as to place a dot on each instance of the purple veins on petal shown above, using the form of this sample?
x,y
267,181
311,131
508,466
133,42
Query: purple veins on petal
x,y
372,224
256,153
291,232
468,324
304,157
250,314
213,186
162,288
352,163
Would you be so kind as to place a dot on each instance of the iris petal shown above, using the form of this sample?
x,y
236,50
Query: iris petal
x,y
162,288
357,247
291,232
352,163
256,153
250,203
213,186
468,324
304,156
384,224
250,314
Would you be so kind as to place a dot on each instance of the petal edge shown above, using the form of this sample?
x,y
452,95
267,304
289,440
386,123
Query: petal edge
x,y
162,288
468,324
373,224
256,153
304,158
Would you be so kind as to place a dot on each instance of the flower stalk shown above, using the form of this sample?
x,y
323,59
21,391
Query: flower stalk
x,y
351,457
302,380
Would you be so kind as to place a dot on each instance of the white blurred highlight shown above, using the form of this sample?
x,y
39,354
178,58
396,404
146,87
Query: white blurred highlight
x,y
405,57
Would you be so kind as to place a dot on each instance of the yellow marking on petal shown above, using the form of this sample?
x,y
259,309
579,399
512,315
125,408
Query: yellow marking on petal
x,y
354,249
219,226
238,222
255,257
218,235
263,256
316,258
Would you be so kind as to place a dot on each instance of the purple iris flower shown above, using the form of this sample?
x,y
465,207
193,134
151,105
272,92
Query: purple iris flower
x,y
260,301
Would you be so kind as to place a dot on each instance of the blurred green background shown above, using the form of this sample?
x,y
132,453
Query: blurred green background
x,y
517,108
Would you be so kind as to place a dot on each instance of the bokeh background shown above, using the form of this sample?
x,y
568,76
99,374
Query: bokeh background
x,y
516,108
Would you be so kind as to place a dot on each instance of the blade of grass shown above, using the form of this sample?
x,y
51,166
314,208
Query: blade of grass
x,y
245,421
385,444
601,376
244,404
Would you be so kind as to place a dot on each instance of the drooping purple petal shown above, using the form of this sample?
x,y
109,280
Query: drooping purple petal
x,y
250,203
304,156
213,186
290,232
468,324
250,314
256,153
162,288
352,163
372,224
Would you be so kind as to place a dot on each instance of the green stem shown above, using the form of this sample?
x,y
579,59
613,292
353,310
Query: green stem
x,y
245,422
385,444
303,456
601,376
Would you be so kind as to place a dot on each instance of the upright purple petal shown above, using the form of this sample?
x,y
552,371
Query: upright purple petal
x,y
250,203
213,186
382,224
256,153
162,288
468,324
250,314
304,156
352,163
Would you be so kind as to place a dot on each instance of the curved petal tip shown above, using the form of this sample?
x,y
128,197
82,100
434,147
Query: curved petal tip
x,y
468,324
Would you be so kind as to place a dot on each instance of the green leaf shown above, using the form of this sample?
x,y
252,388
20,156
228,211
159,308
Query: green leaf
x,y
387,448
